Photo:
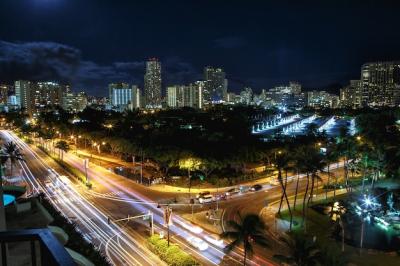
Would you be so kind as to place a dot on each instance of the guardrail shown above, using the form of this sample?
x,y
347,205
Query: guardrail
x,y
39,246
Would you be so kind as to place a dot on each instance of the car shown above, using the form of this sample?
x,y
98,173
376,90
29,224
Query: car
x,y
215,240
256,187
244,189
202,194
206,198
232,191
198,243
220,197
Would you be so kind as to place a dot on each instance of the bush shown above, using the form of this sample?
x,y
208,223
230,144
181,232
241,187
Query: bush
x,y
172,255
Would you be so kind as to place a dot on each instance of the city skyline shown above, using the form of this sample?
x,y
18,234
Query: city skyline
x,y
272,54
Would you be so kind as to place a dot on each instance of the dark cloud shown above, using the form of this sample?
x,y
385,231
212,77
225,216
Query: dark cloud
x,y
230,42
40,61
179,71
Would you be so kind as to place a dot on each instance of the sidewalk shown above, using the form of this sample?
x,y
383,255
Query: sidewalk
x,y
170,188
194,190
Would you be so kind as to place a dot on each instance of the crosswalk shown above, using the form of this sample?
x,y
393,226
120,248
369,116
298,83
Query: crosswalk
x,y
104,195
88,196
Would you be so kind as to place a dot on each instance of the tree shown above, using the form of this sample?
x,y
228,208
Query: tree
x,y
316,164
330,157
62,147
190,164
310,161
249,230
282,163
13,154
9,152
302,251
312,130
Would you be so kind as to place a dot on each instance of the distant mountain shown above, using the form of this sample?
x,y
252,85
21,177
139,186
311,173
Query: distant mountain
x,y
333,88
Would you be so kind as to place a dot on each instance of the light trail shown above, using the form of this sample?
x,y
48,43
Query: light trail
x,y
72,204
180,228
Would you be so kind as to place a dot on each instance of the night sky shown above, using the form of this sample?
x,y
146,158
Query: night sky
x,y
90,43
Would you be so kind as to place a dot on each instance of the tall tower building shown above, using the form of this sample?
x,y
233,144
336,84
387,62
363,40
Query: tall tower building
x,y
4,91
137,97
152,84
380,84
351,95
22,94
216,84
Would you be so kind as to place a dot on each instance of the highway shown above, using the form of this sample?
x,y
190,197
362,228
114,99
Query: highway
x,y
115,197
122,248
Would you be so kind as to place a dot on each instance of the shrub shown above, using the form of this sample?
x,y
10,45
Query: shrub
x,y
172,255
76,241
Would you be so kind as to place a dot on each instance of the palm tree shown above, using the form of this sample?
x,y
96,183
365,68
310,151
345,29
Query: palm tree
x,y
282,163
310,161
13,154
297,165
9,152
302,251
316,164
249,230
62,147
330,157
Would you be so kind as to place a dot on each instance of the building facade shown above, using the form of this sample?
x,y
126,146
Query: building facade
x,y
152,84
185,96
74,102
351,95
36,97
380,84
322,99
137,98
121,96
216,85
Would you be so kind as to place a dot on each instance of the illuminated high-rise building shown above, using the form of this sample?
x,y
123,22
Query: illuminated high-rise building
x,y
136,97
152,84
351,95
22,93
216,85
121,96
35,97
185,95
74,102
380,83
4,92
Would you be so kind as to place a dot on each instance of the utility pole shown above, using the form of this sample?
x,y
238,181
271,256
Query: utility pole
x,y
86,165
141,170
190,183
168,220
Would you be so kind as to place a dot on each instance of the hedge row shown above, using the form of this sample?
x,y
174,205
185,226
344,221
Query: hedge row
x,y
172,255
76,242
73,171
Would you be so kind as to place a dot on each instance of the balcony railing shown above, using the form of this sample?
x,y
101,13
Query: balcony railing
x,y
34,247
